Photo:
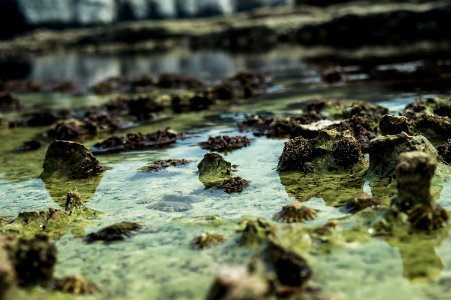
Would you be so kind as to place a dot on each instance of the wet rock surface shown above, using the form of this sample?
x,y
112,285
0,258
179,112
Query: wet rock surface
x,y
234,185
113,233
70,159
414,173
444,151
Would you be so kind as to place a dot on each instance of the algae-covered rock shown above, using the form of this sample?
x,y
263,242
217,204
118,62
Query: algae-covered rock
x,y
391,125
237,282
159,165
254,232
296,212
70,159
329,166
207,240
414,200
385,151
214,170
77,285
114,233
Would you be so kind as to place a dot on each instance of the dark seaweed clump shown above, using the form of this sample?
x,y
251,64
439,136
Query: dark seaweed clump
x,y
137,141
234,185
113,233
296,153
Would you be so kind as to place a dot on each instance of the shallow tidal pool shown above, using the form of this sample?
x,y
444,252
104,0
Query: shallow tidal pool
x,y
173,207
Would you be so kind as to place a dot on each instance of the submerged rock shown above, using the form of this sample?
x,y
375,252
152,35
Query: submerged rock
x,y
238,282
385,151
159,165
234,185
214,170
207,240
296,212
360,202
138,141
77,285
70,159
414,173
113,233
31,145
225,143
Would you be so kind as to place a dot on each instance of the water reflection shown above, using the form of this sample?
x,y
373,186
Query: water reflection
x,y
210,65
421,264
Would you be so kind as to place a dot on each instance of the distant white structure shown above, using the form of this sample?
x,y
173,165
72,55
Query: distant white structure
x,y
88,12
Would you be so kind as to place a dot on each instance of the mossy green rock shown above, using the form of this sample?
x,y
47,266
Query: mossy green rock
x,y
70,159
385,151
214,170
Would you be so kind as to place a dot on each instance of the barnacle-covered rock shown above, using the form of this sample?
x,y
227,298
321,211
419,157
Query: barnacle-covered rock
x,y
347,152
207,240
414,173
214,170
225,143
385,151
254,232
114,233
234,185
296,212
391,125
237,282
137,141
77,285
70,159
296,153
360,202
